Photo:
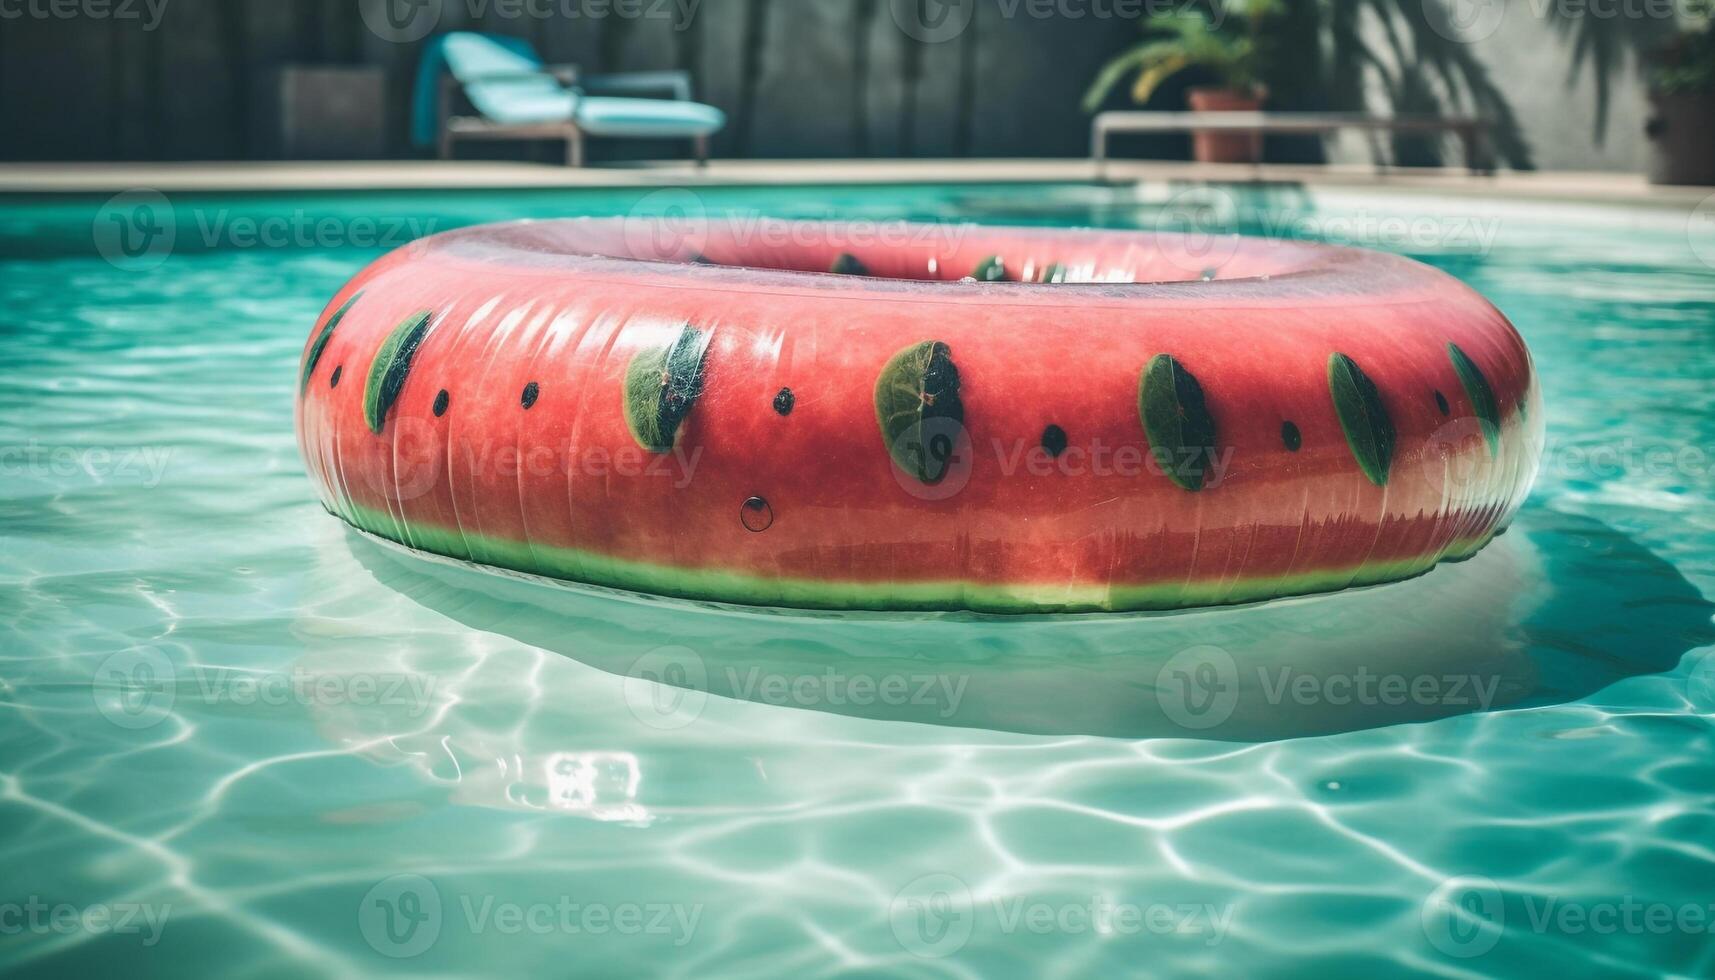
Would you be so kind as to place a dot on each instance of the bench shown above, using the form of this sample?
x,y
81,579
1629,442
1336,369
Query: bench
x,y
1471,131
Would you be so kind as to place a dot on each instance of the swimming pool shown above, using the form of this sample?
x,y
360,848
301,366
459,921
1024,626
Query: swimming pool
x,y
238,737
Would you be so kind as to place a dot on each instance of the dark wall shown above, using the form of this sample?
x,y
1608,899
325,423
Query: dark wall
x,y
798,78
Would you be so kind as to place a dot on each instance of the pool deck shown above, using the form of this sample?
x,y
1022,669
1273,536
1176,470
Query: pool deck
x,y
98,178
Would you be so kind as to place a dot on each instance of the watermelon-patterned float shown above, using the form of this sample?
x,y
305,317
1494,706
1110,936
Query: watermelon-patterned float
x,y
918,417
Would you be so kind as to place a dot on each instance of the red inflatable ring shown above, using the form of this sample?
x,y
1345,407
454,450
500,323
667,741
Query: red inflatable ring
x,y
918,417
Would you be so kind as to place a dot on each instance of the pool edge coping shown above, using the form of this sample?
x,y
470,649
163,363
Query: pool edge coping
x,y
1615,188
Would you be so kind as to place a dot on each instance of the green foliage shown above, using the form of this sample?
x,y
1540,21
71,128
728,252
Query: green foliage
x,y
1223,40
1686,63
1326,55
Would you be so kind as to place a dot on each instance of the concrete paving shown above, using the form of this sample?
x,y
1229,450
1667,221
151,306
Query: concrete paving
x,y
97,178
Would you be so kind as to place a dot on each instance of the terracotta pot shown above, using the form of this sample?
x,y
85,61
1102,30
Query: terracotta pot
x,y
1682,139
1225,147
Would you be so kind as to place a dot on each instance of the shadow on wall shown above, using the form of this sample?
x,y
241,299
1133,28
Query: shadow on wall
x,y
199,79
840,78
1553,611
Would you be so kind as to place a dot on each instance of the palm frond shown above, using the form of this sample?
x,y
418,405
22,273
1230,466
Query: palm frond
x,y
1139,58
1603,45
1175,41
1151,78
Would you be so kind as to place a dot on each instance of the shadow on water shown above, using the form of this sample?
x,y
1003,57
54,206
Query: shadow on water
x,y
1556,609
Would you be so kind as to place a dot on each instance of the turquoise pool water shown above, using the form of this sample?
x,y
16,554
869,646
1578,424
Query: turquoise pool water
x,y
236,737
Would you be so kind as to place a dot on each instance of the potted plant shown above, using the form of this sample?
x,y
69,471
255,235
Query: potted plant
x,y
1222,46
1681,126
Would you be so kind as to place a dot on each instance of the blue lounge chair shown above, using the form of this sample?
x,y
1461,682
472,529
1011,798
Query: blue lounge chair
x,y
516,96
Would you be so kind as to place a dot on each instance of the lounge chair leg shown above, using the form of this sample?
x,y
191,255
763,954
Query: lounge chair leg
x,y
446,145
700,149
1479,155
574,149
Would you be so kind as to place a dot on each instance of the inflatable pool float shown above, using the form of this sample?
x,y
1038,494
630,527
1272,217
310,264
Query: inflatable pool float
x,y
918,417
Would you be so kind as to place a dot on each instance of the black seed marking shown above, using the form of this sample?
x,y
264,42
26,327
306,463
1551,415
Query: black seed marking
x,y
756,515
1441,403
441,403
1180,427
1054,440
333,382
532,391
1290,437
784,401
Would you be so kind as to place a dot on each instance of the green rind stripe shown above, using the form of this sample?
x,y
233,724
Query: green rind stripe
x,y
1482,396
321,343
1181,431
1363,417
388,370
723,585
